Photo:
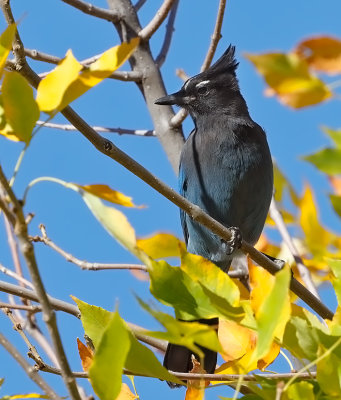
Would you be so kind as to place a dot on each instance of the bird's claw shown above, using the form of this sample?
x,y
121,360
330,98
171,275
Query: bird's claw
x,y
236,240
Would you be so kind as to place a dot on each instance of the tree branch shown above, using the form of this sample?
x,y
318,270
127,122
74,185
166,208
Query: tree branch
x,y
139,4
30,371
215,37
160,59
208,377
16,276
126,76
26,248
161,14
81,263
302,269
120,131
181,115
87,8
30,309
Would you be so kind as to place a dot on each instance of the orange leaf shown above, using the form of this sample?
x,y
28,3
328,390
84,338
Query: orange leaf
x,y
86,355
270,357
335,181
106,193
235,340
290,79
322,53
196,388
193,393
126,393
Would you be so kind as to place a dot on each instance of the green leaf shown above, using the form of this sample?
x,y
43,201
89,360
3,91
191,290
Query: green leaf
x,y
335,135
328,373
210,277
327,160
307,337
94,319
188,334
105,372
141,360
6,40
336,203
272,312
21,110
301,390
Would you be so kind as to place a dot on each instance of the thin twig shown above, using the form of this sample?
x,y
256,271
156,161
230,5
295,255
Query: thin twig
x,y
282,229
161,14
17,326
208,377
181,115
80,263
30,309
14,275
5,209
49,315
98,12
16,259
215,37
126,76
29,369
120,131
160,59
139,4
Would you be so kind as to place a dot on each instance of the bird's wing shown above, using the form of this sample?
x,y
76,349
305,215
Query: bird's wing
x,y
182,190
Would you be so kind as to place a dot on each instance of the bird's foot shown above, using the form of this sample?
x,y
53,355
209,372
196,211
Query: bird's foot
x,y
236,240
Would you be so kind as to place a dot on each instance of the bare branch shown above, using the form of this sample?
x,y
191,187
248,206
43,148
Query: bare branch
x,y
160,59
98,12
17,326
27,251
302,269
208,377
161,14
181,115
139,4
125,76
120,131
7,212
30,370
30,309
81,263
215,37
16,276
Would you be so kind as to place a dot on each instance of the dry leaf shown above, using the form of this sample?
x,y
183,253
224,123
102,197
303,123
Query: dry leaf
x,y
86,355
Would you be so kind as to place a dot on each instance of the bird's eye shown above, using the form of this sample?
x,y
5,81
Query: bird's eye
x,y
202,90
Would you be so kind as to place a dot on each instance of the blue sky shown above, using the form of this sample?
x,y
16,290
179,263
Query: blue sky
x,y
54,27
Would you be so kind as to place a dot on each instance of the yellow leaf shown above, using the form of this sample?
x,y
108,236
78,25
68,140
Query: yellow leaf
x,y
194,393
236,340
52,88
6,40
126,393
86,355
58,91
106,193
270,357
317,237
20,109
114,221
289,78
323,53
261,282
161,245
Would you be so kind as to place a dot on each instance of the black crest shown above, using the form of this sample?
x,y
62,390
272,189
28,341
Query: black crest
x,y
226,63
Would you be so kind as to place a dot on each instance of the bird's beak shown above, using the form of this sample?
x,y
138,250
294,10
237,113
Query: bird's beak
x,y
179,98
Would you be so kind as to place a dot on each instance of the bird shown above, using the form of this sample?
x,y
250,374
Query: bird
x,y
225,169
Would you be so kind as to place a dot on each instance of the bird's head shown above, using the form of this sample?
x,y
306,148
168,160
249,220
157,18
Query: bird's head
x,y
214,90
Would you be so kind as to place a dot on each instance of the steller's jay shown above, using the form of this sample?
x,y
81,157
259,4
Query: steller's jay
x,y
225,169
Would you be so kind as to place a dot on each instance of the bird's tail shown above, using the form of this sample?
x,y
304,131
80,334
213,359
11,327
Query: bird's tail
x,y
179,358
